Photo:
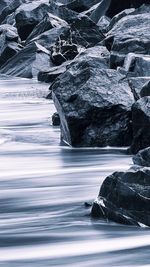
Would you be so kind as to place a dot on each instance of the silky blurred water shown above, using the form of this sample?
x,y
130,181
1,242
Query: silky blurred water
x,y
43,187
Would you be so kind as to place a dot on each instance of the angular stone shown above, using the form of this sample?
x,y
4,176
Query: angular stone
x,y
125,197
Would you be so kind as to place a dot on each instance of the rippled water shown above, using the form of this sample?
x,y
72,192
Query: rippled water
x,y
43,187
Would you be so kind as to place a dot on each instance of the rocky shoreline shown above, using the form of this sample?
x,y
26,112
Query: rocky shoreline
x,y
96,57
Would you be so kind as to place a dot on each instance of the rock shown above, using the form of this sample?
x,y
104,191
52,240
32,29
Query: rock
x,y
142,158
80,5
131,34
49,96
8,6
85,32
145,89
125,197
55,119
8,43
63,51
88,54
141,124
27,62
8,51
103,23
120,15
49,22
91,110
49,38
136,85
111,8
50,75
29,15
62,11
138,65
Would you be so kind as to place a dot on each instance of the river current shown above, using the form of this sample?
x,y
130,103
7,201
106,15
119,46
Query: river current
x,y
43,188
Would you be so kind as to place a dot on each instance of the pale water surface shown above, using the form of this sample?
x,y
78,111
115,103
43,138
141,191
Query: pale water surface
x,y
43,187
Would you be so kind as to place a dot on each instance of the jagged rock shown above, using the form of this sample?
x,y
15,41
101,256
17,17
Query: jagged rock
x,y
8,43
138,65
56,119
29,15
63,51
131,34
79,5
62,11
27,62
111,8
141,124
125,197
136,84
120,15
92,111
103,23
49,22
50,75
145,89
88,54
142,158
8,6
8,51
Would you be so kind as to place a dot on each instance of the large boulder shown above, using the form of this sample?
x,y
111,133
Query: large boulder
x,y
94,104
9,6
131,34
112,7
141,124
142,158
29,15
27,62
49,22
8,43
125,197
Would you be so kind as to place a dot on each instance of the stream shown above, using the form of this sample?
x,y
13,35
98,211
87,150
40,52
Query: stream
x,y
43,188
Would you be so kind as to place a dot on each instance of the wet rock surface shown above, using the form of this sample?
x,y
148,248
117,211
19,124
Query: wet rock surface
x,y
142,158
125,197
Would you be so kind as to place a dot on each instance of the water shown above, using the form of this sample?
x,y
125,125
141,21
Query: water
x,y
43,187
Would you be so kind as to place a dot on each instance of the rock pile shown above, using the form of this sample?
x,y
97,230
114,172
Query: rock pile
x,y
96,57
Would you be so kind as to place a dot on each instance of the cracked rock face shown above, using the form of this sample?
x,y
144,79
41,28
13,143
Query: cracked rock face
x,y
125,197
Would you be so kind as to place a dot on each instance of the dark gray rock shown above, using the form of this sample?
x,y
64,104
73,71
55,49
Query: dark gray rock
x,y
50,75
131,34
8,43
136,84
49,22
8,6
141,124
125,197
55,119
145,89
142,158
49,38
27,62
29,15
137,65
94,105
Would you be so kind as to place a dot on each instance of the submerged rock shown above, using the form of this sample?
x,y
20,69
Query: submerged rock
x,y
142,158
94,105
125,197
56,119
141,124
